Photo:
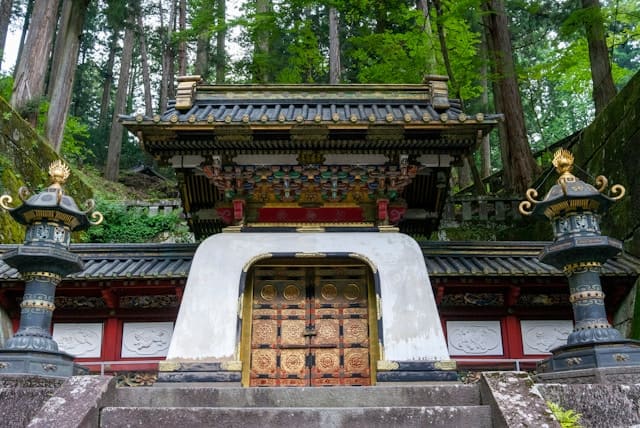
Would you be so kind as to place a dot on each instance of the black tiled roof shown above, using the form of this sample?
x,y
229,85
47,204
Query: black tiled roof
x,y
443,259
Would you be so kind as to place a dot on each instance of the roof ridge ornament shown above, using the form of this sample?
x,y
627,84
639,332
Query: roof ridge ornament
x,y
186,91
438,90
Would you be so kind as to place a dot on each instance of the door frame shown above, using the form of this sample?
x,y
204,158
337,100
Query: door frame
x,y
245,300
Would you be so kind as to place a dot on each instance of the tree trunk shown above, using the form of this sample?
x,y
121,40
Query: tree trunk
x,y
519,166
146,75
603,87
168,67
63,68
112,168
485,146
221,54
334,46
108,80
23,33
201,66
423,5
5,18
182,45
32,64
444,50
261,48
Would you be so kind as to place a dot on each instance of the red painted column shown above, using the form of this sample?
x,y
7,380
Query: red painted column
x,y
512,337
112,340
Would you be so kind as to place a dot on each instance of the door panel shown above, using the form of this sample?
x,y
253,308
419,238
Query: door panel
x,y
310,326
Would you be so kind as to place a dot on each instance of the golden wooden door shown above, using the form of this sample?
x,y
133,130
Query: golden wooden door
x,y
310,326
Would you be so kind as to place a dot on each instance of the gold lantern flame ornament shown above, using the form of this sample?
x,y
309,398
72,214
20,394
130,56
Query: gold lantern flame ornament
x,y
570,193
41,205
59,172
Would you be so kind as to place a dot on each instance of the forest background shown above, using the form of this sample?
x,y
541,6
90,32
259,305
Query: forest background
x,y
548,65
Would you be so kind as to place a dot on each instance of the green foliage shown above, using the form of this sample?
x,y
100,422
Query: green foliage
x,y
74,138
6,86
134,225
566,417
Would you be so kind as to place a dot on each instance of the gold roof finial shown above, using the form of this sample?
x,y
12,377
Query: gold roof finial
x,y
59,172
563,161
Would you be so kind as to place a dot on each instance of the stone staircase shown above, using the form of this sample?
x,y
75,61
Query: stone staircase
x,y
445,405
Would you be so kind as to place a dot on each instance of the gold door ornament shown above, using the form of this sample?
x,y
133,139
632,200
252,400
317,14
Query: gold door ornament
x,y
310,326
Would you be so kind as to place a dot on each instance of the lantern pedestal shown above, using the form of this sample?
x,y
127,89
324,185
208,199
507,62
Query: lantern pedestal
x,y
43,260
579,250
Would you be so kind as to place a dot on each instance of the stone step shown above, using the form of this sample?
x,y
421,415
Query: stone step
x,y
328,417
375,396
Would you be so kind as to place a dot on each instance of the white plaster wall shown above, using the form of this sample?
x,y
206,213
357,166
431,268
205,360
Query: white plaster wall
x,y
206,326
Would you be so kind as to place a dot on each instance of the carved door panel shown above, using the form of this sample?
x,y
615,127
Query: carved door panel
x,y
339,318
309,326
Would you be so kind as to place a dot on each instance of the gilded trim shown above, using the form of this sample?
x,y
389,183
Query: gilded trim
x,y
309,255
255,259
586,295
37,304
572,267
365,259
30,276
168,366
231,366
385,365
446,365
388,228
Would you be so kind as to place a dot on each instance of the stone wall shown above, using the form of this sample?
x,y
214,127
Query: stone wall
x,y
611,146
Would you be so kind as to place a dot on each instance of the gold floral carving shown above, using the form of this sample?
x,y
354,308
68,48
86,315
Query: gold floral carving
x,y
291,292
292,332
356,360
293,361
329,291
263,361
327,361
268,292
352,291
264,331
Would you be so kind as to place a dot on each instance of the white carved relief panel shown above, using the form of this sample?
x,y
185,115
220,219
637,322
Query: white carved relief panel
x,y
540,336
474,338
146,339
82,340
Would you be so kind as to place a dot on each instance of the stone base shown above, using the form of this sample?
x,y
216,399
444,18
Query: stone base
x,y
593,355
40,363
416,371
227,373
617,375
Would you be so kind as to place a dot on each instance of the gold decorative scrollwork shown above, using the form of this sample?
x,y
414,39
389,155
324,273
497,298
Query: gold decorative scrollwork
x,y
5,200
97,215
525,207
617,192
24,193
602,183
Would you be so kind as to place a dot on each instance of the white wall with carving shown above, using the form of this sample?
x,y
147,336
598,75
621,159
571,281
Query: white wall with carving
x,y
146,339
474,338
82,340
540,336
